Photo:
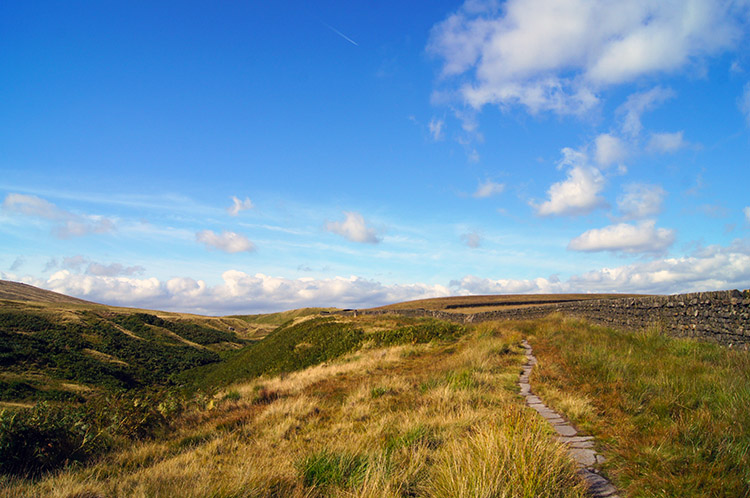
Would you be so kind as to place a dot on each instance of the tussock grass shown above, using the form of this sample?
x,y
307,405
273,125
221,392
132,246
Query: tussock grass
x,y
357,426
674,414
508,459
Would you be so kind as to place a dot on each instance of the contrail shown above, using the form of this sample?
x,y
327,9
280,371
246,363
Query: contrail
x,y
342,35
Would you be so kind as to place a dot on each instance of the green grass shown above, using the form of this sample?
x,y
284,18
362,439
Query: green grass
x,y
279,318
59,348
295,346
326,469
673,414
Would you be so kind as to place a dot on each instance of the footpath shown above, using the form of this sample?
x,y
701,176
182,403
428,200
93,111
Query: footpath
x,y
580,448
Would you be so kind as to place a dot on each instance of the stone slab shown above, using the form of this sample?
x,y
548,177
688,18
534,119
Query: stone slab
x,y
574,439
556,420
585,457
565,430
598,486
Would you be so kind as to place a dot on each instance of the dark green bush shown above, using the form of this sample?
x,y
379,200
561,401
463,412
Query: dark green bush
x,y
46,438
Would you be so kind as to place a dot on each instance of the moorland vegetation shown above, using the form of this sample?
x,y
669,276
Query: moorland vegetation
x,y
300,404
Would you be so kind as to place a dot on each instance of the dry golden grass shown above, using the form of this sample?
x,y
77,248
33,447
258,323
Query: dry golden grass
x,y
474,304
433,420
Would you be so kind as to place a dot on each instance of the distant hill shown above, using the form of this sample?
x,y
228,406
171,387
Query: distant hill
x,y
16,291
60,348
473,304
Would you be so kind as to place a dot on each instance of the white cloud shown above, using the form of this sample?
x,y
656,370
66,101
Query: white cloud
x,y
609,150
472,239
747,213
436,129
239,292
623,237
353,228
67,224
555,54
579,193
641,201
711,268
637,104
238,205
230,242
666,142
744,102
488,189
714,268
471,285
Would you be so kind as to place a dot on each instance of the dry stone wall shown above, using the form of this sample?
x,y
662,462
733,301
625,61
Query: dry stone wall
x,y
721,316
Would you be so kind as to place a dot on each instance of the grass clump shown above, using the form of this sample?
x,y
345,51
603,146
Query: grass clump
x,y
327,469
508,458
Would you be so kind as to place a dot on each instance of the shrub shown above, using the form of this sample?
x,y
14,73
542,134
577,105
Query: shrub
x,y
46,438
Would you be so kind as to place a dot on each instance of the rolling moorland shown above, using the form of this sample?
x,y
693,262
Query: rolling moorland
x,y
104,401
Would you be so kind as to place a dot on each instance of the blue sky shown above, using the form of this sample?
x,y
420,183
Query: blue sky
x,y
234,157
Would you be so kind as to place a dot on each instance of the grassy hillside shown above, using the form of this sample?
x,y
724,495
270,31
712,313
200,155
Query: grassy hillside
x,y
330,405
474,304
17,291
297,345
62,353
411,412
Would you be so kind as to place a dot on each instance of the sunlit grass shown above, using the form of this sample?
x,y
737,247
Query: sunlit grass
x,y
440,418
673,414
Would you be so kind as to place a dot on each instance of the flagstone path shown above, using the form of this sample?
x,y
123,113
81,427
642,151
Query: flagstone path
x,y
580,448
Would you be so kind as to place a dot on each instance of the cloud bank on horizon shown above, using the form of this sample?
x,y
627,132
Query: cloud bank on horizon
x,y
521,146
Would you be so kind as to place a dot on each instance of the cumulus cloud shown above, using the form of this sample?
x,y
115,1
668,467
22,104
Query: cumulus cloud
x,y
579,192
472,285
623,237
239,205
488,189
710,268
238,292
353,228
641,201
713,268
609,150
66,224
230,242
747,213
666,142
436,128
554,55
472,239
